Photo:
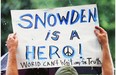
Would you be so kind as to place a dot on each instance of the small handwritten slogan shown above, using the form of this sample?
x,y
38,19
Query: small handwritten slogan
x,y
57,37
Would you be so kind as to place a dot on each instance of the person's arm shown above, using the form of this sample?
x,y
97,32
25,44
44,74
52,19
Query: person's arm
x,y
107,64
12,44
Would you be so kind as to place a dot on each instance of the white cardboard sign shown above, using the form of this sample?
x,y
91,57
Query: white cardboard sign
x,y
57,37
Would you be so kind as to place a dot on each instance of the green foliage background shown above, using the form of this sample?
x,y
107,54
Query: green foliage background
x,y
106,10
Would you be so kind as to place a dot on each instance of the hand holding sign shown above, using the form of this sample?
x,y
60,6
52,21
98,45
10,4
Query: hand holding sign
x,y
12,43
102,35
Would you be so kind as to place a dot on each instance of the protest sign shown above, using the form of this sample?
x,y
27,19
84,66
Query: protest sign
x,y
57,37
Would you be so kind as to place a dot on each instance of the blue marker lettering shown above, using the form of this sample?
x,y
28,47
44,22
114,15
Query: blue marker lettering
x,y
82,16
72,21
92,15
63,18
49,20
74,34
42,22
22,18
53,51
30,52
56,36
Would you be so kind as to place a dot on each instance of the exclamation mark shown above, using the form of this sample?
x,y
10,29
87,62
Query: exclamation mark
x,y
80,50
